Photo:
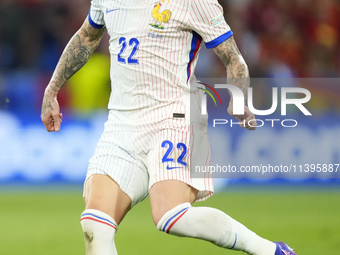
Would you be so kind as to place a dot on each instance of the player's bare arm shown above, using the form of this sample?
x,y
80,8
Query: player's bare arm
x,y
76,53
237,74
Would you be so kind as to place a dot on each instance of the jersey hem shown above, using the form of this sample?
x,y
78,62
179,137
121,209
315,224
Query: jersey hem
x,y
217,41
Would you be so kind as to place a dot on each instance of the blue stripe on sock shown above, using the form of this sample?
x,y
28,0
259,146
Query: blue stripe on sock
x,y
99,218
172,218
234,242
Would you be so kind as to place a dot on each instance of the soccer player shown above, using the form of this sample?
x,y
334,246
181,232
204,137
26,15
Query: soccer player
x,y
155,132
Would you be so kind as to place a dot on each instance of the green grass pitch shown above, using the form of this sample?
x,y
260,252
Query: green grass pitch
x,y
47,222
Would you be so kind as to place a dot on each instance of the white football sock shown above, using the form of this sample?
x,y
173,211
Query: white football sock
x,y
214,226
99,232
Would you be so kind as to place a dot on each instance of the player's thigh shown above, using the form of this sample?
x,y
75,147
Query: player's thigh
x,y
102,193
116,178
165,195
170,165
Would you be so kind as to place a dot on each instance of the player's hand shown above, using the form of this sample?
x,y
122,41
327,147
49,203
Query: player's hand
x,y
50,115
245,118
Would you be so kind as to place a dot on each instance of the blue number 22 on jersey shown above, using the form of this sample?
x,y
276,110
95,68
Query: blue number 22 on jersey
x,y
133,43
167,155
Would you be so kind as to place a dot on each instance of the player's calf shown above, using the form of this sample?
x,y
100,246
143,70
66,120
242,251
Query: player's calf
x,y
99,231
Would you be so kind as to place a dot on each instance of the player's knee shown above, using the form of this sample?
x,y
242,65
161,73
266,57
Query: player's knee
x,y
157,215
169,218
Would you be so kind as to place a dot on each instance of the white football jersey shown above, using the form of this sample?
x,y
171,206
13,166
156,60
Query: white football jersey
x,y
154,48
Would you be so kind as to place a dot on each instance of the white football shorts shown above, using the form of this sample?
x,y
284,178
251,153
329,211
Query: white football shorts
x,y
136,160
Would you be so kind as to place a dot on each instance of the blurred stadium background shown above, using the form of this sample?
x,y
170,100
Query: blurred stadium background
x,y
41,173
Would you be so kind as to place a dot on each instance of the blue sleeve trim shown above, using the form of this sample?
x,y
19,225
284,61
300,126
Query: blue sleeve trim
x,y
92,22
219,40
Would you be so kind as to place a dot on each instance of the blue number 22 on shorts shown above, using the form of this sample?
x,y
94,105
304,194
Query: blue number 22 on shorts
x,y
167,156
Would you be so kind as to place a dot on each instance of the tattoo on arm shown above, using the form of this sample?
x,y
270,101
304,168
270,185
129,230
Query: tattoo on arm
x,y
44,107
76,54
50,105
74,57
237,70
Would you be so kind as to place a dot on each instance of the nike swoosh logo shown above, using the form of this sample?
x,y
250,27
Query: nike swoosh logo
x,y
112,10
170,168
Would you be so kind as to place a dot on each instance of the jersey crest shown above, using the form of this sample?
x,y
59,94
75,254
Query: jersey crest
x,y
160,17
